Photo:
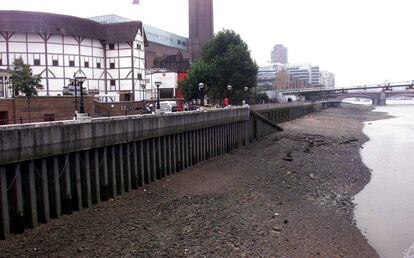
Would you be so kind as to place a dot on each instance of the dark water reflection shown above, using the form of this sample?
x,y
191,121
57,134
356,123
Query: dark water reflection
x,y
385,207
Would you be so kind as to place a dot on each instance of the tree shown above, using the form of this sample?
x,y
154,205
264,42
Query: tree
x,y
199,72
260,97
23,81
225,60
230,56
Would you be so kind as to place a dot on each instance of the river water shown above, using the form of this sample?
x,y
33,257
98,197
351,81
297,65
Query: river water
x,y
385,207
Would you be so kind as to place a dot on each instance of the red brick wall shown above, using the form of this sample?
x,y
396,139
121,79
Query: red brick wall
x,y
6,111
61,108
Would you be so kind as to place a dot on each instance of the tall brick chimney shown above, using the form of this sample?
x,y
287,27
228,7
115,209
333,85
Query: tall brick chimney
x,y
201,25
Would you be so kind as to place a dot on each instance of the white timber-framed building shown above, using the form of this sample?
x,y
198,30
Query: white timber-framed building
x,y
110,53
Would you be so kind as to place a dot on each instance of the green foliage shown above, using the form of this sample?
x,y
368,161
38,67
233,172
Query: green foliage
x,y
23,81
260,97
225,60
200,72
230,56
157,62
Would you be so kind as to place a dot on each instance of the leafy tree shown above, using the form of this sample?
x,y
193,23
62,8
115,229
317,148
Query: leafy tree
x,y
225,60
23,81
200,72
230,56
260,97
157,62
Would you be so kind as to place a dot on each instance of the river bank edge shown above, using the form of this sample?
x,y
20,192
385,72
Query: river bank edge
x,y
287,195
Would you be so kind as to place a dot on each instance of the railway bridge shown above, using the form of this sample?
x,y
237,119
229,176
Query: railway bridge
x,y
378,94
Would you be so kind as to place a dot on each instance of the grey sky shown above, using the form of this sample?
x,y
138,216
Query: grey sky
x,y
361,41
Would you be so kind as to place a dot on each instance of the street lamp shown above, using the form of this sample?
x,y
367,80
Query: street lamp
x,y
73,84
229,88
80,79
246,90
158,84
143,86
201,89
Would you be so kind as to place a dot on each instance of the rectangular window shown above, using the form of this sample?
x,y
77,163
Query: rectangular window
x,y
86,63
111,46
112,65
71,63
113,85
139,76
55,62
36,62
98,65
139,46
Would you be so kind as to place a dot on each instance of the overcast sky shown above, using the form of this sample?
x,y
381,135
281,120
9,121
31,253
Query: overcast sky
x,y
361,41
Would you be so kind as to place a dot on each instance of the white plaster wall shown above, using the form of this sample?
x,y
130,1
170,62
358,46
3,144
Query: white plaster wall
x,y
18,37
68,49
36,47
71,50
55,39
17,47
2,45
33,37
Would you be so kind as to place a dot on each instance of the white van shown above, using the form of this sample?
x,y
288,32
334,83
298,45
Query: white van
x,y
167,106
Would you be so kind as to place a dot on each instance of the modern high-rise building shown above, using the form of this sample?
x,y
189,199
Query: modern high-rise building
x,y
306,72
327,79
279,54
201,25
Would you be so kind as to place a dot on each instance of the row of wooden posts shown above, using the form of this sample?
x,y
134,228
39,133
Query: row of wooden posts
x,y
34,191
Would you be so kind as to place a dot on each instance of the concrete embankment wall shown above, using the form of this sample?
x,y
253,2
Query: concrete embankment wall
x,y
280,113
50,169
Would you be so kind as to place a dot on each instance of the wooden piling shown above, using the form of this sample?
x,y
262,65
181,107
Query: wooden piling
x,y
4,206
179,155
135,166
77,182
120,178
169,142
96,193
31,201
44,210
67,189
17,217
127,166
174,153
112,173
148,166
54,194
104,182
86,181
141,164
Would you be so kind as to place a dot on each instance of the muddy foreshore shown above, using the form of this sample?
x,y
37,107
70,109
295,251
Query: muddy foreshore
x,y
288,195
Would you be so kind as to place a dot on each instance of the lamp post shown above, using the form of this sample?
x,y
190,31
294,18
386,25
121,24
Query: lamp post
x,y
158,84
73,84
246,90
201,89
80,79
143,86
229,88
